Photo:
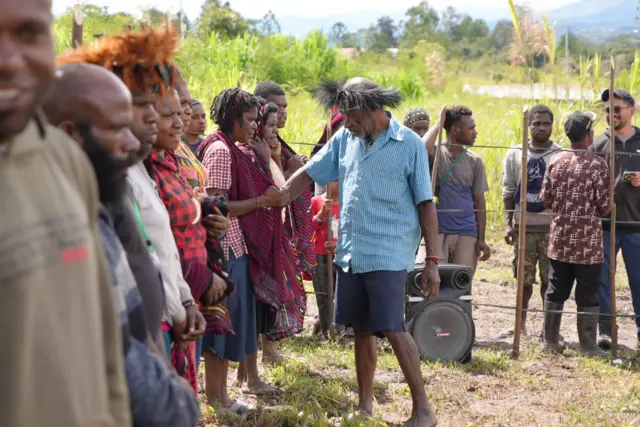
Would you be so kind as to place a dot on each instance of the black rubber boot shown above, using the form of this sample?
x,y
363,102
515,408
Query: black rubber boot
x,y
587,327
552,327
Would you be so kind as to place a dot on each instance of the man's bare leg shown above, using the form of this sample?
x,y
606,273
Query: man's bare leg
x,y
251,382
270,352
366,361
216,379
408,357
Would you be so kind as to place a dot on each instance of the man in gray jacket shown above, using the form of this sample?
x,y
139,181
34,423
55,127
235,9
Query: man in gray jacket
x,y
541,150
627,198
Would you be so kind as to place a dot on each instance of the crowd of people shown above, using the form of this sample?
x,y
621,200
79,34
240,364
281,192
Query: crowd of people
x,y
134,245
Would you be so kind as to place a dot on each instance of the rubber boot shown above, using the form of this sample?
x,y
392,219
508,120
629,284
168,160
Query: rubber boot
x,y
587,327
552,327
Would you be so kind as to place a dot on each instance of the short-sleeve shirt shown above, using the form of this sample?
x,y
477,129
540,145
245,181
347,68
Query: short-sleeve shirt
x,y
217,165
576,184
380,189
466,179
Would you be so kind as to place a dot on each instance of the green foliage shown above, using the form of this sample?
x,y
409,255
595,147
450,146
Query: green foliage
x,y
220,19
422,24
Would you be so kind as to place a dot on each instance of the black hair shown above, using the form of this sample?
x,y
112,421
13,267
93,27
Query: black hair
x,y
268,88
540,109
194,102
454,115
356,94
267,109
229,106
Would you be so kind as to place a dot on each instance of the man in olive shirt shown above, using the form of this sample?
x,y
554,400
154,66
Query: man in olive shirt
x,y
62,353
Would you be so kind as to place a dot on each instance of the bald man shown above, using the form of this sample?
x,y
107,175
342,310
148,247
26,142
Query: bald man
x,y
61,356
95,108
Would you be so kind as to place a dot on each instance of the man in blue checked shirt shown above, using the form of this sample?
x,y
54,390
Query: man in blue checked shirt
x,y
386,200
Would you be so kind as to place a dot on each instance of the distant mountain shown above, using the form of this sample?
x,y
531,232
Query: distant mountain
x,y
594,20
597,20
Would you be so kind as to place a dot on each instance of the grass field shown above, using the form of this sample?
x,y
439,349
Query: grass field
x,y
319,383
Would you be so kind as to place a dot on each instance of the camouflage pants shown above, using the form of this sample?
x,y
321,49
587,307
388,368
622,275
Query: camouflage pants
x,y
536,245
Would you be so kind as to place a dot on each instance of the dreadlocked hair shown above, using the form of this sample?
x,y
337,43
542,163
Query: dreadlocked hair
x,y
356,94
454,115
229,106
142,59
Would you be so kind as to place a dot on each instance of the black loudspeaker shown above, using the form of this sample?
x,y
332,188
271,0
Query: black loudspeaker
x,y
443,326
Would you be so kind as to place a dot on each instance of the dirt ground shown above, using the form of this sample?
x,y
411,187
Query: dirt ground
x,y
319,387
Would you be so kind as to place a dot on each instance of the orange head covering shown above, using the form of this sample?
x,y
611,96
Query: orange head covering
x,y
143,59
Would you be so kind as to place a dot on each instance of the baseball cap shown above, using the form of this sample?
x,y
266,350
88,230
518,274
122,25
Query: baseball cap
x,y
620,94
578,124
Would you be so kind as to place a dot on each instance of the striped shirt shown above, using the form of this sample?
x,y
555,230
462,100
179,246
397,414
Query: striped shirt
x,y
380,189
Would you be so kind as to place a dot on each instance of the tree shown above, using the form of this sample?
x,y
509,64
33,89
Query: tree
x,y
338,34
502,35
383,35
269,24
221,19
422,24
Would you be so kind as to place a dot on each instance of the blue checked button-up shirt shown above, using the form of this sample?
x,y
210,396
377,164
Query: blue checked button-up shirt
x,y
380,189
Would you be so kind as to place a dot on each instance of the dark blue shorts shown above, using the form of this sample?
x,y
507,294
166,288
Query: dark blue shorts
x,y
372,302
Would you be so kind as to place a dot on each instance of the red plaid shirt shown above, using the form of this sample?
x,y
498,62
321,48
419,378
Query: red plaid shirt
x,y
184,209
217,165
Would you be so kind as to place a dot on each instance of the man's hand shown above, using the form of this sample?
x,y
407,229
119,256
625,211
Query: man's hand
x,y
180,333
216,225
430,280
483,250
217,290
635,180
330,247
327,204
296,162
195,324
275,198
261,148
510,235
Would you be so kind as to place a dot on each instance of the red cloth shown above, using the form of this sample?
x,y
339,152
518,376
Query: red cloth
x,y
184,361
298,223
183,208
320,227
271,259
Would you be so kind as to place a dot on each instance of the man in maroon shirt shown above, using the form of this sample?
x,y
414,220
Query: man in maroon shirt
x,y
576,188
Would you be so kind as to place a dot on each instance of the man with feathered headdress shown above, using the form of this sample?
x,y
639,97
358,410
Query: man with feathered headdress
x,y
144,62
385,201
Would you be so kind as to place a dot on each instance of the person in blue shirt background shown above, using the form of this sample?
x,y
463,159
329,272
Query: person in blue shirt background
x,y
385,203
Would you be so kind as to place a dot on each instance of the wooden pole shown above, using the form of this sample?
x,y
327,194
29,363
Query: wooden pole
x,y
436,151
330,283
77,28
612,202
522,230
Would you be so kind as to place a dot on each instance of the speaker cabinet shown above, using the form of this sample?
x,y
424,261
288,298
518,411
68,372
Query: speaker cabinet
x,y
443,326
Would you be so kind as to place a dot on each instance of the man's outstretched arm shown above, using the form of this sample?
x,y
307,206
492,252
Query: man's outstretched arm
x,y
295,185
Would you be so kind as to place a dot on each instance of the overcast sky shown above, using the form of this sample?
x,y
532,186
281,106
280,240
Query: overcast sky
x,y
307,8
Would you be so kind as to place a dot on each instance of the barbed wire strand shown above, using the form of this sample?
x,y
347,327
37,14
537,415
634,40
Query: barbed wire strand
x,y
504,147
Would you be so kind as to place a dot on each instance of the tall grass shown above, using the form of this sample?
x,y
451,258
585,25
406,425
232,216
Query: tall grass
x,y
215,64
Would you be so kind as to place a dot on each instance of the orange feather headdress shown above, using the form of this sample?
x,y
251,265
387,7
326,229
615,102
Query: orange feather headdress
x,y
143,60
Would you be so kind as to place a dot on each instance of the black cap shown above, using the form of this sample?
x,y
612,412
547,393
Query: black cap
x,y
578,124
620,94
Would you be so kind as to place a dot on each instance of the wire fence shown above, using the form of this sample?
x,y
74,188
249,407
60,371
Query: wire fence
x,y
524,213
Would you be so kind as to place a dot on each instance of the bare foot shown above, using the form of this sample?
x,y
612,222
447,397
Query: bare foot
x,y
260,388
270,353
422,418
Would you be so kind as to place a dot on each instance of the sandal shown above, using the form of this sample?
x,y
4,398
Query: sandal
x,y
236,408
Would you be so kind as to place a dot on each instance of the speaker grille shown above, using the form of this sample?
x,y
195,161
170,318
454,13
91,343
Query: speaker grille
x,y
442,329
